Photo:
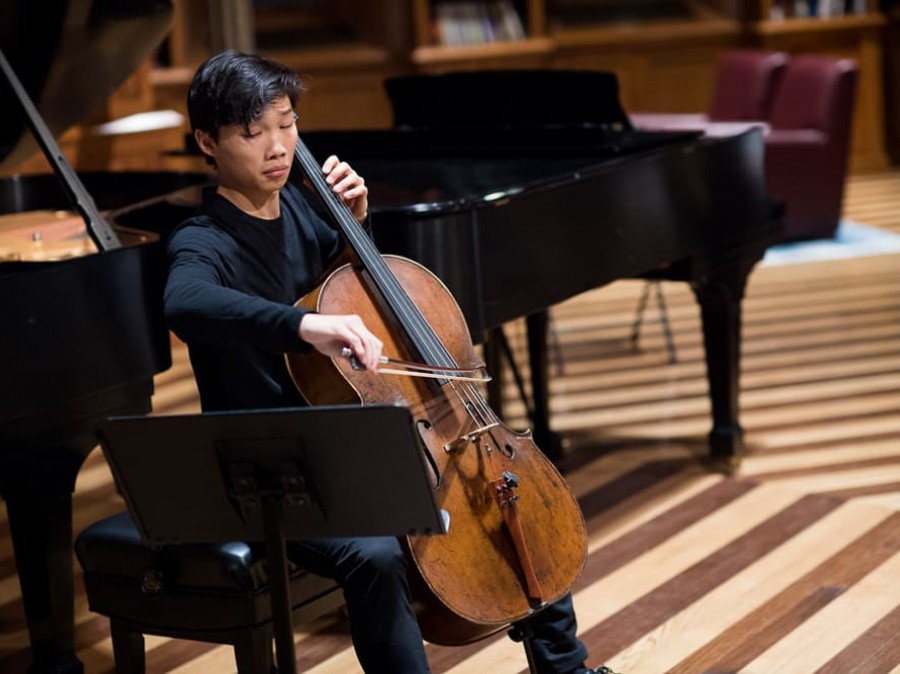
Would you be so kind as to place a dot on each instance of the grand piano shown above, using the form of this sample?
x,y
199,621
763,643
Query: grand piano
x,y
521,189
83,330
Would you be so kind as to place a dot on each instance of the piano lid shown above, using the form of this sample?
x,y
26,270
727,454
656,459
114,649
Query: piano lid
x,y
470,139
508,99
70,55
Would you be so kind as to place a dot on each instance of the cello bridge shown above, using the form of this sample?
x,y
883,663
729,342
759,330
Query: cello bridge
x,y
471,436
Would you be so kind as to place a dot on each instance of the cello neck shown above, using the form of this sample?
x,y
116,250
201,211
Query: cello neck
x,y
419,332
345,220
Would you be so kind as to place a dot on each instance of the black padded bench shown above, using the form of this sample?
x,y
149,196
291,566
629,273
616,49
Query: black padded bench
x,y
213,593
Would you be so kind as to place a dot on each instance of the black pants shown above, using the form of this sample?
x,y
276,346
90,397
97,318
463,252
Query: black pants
x,y
386,637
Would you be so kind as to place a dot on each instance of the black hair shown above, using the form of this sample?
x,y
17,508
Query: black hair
x,y
233,88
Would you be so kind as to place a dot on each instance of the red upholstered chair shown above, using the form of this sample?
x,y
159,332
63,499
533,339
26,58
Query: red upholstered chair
x,y
808,143
746,80
745,86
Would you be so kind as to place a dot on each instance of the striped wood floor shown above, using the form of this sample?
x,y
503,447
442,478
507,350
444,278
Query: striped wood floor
x,y
791,566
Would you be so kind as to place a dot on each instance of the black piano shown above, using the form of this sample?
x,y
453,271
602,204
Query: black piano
x,y
83,330
521,189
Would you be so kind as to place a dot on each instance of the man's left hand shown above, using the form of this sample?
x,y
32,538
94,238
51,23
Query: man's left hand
x,y
348,185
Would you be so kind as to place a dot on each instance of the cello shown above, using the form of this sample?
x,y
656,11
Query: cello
x,y
516,538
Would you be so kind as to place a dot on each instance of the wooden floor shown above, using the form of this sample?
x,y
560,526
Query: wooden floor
x,y
791,566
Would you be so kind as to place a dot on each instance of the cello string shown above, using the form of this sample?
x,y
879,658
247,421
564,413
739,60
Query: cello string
x,y
407,313
418,328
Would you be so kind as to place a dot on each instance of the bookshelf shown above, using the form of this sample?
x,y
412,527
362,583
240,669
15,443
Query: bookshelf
x,y
665,52
344,49
460,22
478,33
780,10
839,28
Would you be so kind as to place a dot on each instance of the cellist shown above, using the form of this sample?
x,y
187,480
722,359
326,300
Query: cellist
x,y
235,269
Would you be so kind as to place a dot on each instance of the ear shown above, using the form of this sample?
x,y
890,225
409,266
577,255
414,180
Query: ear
x,y
205,142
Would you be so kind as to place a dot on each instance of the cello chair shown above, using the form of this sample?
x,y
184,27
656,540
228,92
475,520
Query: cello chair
x,y
808,143
212,593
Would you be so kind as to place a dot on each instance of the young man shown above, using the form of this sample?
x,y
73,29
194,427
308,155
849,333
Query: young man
x,y
236,268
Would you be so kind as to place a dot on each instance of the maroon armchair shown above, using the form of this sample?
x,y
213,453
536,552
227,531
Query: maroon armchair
x,y
745,86
743,91
808,143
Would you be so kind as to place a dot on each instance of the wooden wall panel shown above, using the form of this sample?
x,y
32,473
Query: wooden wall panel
x,y
667,79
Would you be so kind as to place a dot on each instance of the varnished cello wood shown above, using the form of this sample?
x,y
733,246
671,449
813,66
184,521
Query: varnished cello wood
x,y
472,578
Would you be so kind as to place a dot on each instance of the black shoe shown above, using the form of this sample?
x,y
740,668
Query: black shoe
x,y
602,669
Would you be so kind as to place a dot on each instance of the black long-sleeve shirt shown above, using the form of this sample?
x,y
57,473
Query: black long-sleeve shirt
x,y
233,280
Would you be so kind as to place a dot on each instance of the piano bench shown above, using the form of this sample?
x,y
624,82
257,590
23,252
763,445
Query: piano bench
x,y
212,593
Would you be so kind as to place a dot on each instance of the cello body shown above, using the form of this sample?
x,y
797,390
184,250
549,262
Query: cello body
x,y
514,543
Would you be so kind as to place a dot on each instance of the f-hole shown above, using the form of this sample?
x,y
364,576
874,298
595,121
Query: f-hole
x,y
423,426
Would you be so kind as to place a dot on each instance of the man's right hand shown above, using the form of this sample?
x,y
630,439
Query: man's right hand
x,y
331,334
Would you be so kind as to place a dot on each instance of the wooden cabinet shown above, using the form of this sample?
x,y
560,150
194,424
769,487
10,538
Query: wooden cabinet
x,y
665,52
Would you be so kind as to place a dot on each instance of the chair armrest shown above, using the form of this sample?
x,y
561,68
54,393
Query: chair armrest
x,y
796,138
664,121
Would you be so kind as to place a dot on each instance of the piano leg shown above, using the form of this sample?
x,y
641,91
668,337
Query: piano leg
x,y
719,289
41,532
721,315
536,327
493,360
720,306
496,349
718,282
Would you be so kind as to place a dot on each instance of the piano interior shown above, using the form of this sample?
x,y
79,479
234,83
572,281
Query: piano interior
x,y
42,236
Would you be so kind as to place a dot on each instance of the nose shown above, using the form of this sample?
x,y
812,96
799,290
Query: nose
x,y
277,146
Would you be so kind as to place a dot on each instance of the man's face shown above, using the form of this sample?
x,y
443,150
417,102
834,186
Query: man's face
x,y
255,161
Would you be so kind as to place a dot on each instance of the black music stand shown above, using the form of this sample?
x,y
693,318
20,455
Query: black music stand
x,y
269,475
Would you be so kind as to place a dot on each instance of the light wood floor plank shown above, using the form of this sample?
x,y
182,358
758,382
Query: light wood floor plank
x,y
663,648
830,630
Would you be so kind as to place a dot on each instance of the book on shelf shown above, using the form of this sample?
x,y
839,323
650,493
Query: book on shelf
x,y
823,9
469,22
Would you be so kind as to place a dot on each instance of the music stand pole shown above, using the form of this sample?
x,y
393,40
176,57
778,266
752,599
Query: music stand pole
x,y
254,483
279,586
